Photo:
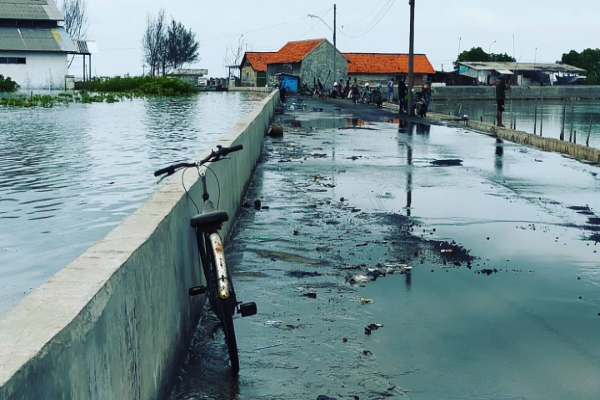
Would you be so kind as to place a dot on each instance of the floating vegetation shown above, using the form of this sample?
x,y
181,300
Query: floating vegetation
x,y
110,90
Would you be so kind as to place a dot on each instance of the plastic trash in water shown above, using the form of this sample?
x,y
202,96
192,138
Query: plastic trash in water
x,y
359,278
364,300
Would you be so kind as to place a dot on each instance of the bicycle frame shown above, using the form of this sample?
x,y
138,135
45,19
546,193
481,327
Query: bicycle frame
x,y
209,238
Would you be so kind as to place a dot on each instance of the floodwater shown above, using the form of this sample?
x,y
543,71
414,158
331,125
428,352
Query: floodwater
x,y
503,301
69,174
580,113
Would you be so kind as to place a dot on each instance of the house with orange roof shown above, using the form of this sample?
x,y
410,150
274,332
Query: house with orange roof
x,y
380,67
254,68
308,60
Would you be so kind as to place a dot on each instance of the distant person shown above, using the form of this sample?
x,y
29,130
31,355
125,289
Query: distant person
x,y
500,98
355,91
402,95
319,86
282,92
390,87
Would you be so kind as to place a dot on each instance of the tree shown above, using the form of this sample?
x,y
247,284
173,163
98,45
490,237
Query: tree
x,y
234,56
75,14
589,59
154,42
182,46
167,47
477,54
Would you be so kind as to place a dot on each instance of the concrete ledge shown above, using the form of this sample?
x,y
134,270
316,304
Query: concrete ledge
x,y
116,322
577,151
251,89
516,92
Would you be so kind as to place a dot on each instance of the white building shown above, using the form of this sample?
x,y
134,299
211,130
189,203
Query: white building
x,y
33,47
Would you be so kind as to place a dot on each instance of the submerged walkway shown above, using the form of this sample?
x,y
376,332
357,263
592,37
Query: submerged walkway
x,y
503,301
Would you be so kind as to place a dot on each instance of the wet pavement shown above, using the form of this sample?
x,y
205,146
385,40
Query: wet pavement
x,y
503,300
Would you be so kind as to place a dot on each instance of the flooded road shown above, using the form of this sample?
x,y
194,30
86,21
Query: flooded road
x,y
580,115
69,174
503,301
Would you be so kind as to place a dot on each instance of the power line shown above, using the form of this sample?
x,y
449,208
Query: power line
x,y
375,22
253,31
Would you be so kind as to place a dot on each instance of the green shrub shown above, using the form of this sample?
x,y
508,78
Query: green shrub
x,y
141,86
8,85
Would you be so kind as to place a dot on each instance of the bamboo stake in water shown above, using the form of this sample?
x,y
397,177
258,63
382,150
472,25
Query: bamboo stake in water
x,y
587,142
542,117
562,131
572,119
575,137
535,117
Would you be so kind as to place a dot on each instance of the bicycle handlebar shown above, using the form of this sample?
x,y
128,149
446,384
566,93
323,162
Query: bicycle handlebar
x,y
214,156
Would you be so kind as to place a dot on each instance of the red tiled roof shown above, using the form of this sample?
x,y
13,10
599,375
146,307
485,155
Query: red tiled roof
x,y
259,61
294,52
376,63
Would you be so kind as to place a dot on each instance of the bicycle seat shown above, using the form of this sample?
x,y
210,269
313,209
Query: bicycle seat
x,y
213,217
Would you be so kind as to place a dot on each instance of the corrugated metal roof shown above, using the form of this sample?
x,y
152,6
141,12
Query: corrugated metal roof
x,y
42,10
32,39
512,66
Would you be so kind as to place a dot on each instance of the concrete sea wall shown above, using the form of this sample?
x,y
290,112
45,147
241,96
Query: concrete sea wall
x,y
516,92
116,322
577,151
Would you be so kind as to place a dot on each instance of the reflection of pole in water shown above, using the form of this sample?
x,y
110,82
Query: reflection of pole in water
x,y
409,162
542,116
587,142
499,160
408,281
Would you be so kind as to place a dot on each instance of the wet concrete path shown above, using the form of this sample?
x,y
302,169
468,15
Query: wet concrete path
x,y
503,301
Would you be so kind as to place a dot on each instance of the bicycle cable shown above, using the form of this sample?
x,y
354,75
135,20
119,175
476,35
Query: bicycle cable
x,y
186,191
218,183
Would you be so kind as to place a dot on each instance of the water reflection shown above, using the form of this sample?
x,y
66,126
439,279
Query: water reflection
x,y
499,159
408,282
423,129
69,174
585,116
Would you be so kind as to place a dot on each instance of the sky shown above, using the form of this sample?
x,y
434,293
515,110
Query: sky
x,y
529,30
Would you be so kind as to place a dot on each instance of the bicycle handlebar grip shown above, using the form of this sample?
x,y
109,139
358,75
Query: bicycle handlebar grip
x,y
168,170
236,148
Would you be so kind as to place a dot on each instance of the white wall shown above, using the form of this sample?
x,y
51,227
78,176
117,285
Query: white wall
x,y
42,70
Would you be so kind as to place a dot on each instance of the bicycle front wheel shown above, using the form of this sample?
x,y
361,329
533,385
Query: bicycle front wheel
x,y
229,329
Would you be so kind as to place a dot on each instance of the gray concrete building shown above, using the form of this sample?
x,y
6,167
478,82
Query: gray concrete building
x,y
309,60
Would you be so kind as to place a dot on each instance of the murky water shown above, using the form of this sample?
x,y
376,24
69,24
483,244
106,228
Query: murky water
x,y
354,198
69,174
523,111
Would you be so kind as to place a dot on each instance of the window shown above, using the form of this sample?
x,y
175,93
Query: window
x,y
13,60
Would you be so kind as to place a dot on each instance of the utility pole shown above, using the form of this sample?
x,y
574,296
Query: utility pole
x,y
411,58
334,41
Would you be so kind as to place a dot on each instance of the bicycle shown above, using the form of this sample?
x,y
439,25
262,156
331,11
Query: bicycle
x,y
219,285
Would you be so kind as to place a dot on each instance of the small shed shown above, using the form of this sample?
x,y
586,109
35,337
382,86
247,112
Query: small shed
x,y
254,68
289,81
